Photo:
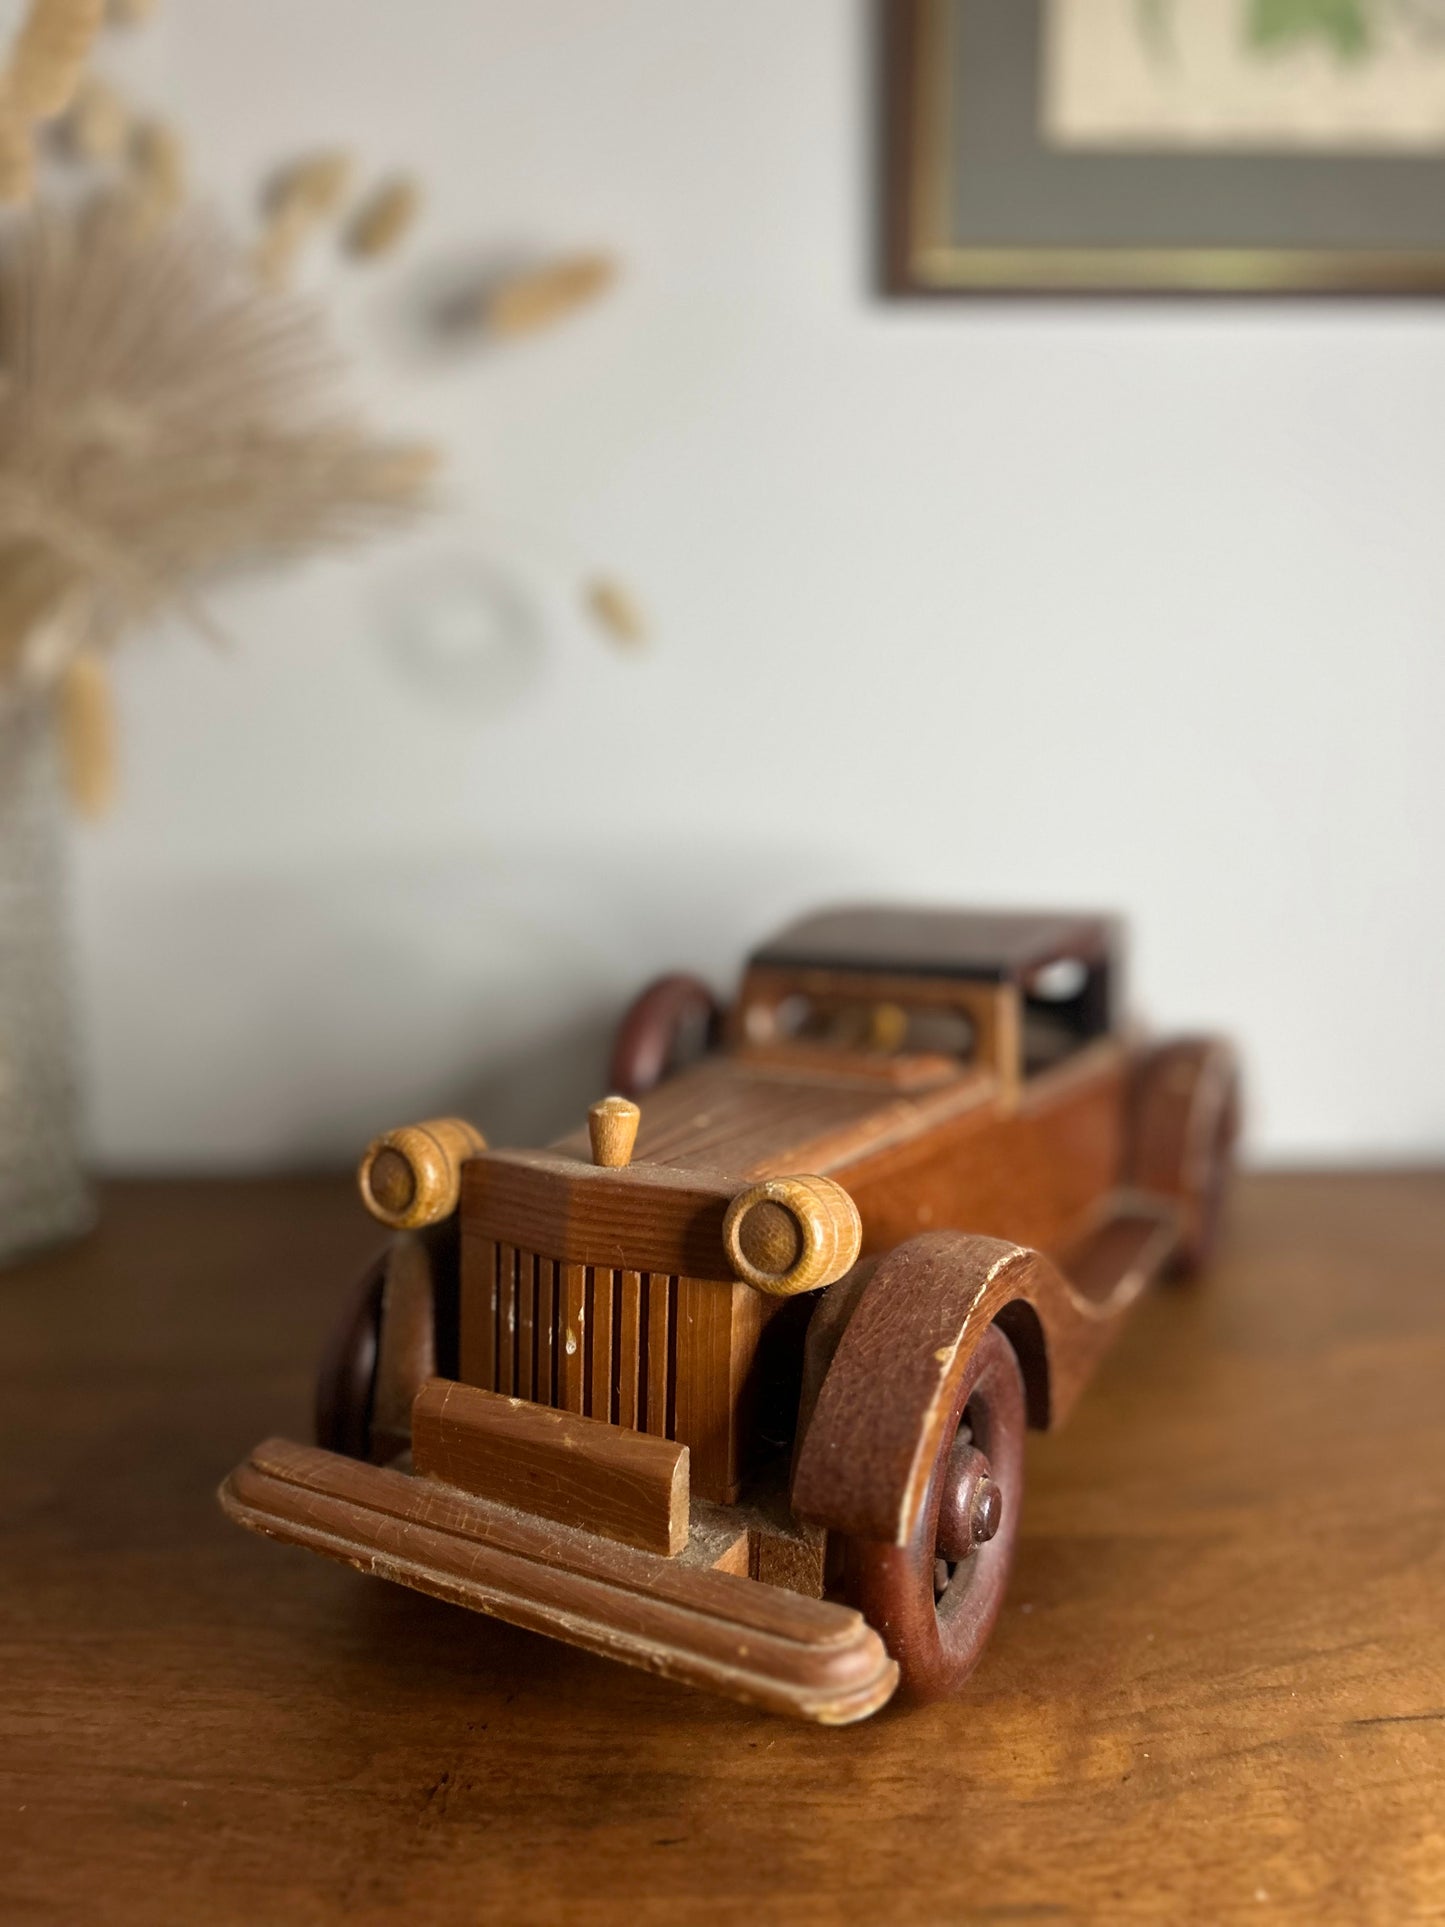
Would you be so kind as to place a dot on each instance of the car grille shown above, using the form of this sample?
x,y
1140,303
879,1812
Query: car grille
x,y
581,1338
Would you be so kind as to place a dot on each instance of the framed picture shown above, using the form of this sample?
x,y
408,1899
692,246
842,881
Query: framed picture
x,y
1261,147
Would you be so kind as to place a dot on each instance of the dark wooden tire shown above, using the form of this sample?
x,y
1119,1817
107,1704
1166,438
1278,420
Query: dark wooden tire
x,y
1212,1188
676,1018
346,1380
1185,1126
937,1634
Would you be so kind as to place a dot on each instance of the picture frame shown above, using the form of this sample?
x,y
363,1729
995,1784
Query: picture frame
x,y
978,202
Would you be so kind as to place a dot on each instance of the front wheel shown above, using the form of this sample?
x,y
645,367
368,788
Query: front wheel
x,y
398,1329
346,1380
935,1600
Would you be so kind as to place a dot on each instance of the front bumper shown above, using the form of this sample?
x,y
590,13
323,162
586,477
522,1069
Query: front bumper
x,y
752,1642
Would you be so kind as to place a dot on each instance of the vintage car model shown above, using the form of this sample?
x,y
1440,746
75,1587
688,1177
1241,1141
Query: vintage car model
x,y
733,1384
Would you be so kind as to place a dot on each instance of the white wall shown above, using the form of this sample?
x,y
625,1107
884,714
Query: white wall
x,y
1117,605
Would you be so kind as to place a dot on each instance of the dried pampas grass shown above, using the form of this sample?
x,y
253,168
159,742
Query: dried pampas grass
x,y
162,418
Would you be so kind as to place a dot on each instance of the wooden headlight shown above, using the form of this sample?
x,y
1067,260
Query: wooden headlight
x,y
787,1235
413,1176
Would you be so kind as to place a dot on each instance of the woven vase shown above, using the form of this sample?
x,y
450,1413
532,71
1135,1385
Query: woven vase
x,y
43,1194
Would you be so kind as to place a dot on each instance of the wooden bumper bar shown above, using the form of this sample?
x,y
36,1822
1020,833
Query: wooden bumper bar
x,y
624,1485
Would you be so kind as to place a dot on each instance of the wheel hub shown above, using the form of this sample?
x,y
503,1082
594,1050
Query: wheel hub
x,y
986,1515
972,1508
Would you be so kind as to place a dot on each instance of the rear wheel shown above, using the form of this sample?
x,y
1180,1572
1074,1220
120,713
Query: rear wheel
x,y
935,1600
1186,1117
667,1026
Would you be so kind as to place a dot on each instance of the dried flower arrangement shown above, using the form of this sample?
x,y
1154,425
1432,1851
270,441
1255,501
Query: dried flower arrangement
x,y
161,415
182,297
167,411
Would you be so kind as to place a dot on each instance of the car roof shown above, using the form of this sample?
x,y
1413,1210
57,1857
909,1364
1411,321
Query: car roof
x,y
999,946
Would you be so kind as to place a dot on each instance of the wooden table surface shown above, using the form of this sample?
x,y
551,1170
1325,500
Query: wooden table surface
x,y
1217,1691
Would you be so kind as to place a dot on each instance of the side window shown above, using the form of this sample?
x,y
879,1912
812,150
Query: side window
x,y
876,1025
1065,1006
942,1030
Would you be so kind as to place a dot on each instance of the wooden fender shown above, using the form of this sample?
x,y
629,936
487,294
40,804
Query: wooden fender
x,y
876,1431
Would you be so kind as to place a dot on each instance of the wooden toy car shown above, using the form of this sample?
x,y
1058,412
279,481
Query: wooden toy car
x,y
733,1385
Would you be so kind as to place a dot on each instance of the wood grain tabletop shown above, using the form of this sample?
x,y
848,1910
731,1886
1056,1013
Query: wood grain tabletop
x,y
1216,1694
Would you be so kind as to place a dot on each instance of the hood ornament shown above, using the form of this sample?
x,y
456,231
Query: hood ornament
x,y
612,1126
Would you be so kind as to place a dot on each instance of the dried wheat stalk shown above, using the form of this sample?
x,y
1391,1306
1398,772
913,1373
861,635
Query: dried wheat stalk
x,y
279,245
300,198
157,186
86,719
544,295
383,218
97,123
160,418
619,612
17,160
317,183
50,52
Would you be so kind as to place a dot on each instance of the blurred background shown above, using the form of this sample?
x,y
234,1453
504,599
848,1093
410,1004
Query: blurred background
x,y
747,587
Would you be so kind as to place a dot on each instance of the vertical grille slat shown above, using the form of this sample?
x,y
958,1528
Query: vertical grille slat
x,y
494,1315
506,1318
627,1349
589,1357
523,1382
661,1363
477,1364
602,1295
644,1335
674,1292
572,1337
544,1334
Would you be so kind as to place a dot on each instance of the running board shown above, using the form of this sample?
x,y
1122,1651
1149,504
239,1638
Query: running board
x,y
1123,1251
752,1642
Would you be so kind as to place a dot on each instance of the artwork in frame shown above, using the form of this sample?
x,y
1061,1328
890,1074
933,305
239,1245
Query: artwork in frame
x,y
1262,147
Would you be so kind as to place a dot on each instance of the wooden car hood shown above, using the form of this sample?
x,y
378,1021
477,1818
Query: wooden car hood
x,y
750,1117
